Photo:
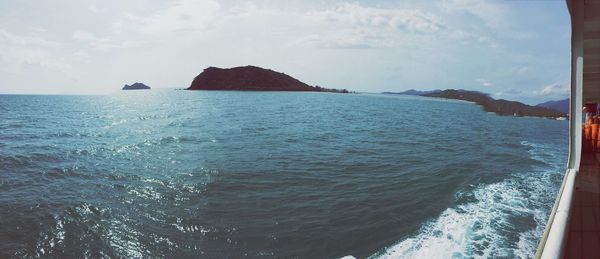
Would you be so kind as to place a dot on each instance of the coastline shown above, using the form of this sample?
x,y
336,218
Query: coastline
x,y
500,107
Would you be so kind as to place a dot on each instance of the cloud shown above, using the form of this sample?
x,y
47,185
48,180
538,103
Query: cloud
x,y
87,36
81,55
352,25
354,14
522,70
553,90
95,9
99,43
485,82
509,92
494,15
28,49
182,16
31,39
351,40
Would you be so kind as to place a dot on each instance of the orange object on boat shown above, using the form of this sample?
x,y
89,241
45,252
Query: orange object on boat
x,y
585,145
594,132
587,132
596,142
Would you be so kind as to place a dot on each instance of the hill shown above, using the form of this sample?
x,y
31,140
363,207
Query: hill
x,y
414,92
500,106
251,78
560,105
136,86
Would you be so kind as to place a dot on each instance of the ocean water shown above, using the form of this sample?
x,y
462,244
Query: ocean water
x,y
188,174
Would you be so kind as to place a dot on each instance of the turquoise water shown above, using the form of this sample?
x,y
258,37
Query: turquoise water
x,y
169,173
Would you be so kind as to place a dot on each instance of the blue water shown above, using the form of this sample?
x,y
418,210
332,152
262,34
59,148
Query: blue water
x,y
169,173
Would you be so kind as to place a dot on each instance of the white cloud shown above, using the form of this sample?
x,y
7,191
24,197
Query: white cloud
x,y
81,55
352,25
494,15
485,82
553,90
522,70
350,39
354,14
29,49
95,9
99,43
86,36
509,92
31,39
182,16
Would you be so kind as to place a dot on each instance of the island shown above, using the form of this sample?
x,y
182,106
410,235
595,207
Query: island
x,y
251,78
414,92
500,106
560,105
136,86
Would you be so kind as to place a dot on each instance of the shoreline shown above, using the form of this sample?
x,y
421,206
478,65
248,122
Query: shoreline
x,y
500,107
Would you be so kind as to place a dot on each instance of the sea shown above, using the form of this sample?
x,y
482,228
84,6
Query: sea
x,y
229,174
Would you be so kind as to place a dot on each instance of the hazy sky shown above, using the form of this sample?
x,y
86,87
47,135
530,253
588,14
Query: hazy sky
x,y
513,49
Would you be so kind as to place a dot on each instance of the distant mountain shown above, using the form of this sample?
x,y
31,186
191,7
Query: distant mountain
x,y
414,92
560,105
500,107
251,78
136,86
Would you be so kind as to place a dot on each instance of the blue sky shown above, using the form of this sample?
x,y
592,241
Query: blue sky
x,y
518,50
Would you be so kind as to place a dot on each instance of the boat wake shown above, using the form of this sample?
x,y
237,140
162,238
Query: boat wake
x,y
503,219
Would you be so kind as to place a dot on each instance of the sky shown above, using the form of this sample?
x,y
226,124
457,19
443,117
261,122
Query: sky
x,y
512,49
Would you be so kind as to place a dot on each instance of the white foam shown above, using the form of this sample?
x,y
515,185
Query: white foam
x,y
483,228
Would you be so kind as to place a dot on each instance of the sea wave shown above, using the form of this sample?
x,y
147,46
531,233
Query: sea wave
x,y
503,219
